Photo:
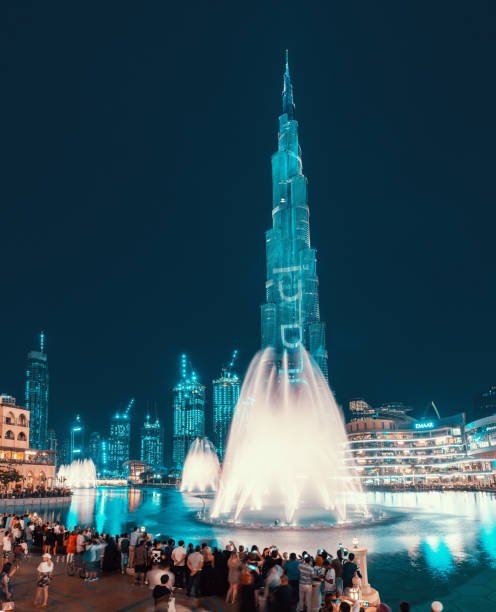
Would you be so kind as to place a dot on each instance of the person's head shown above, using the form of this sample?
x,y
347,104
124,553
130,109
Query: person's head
x,y
170,542
436,606
404,606
292,556
234,554
164,578
351,557
274,554
319,561
284,580
383,607
198,548
344,606
181,542
47,557
7,567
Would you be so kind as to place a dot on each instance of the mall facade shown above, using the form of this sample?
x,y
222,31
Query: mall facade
x,y
429,452
35,466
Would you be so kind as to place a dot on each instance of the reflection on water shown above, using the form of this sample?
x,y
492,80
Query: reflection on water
x,y
443,538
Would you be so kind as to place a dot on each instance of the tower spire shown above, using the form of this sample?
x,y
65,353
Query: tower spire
x,y
288,106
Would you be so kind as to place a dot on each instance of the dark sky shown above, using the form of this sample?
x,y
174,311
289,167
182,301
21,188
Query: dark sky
x,y
136,141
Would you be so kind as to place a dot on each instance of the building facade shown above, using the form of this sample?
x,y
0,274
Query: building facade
x,y
36,394
426,452
77,438
291,314
152,447
484,404
35,466
189,412
119,441
226,391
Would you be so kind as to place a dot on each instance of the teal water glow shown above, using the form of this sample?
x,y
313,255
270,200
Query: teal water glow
x,y
437,543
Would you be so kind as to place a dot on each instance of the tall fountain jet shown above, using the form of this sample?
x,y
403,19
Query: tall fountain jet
x,y
287,459
201,468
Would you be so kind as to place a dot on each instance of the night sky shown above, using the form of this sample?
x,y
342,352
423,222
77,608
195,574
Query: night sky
x,y
135,192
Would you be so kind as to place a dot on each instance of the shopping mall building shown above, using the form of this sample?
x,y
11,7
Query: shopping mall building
x,y
441,451
35,467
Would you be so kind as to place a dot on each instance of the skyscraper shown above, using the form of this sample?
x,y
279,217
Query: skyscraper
x,y
225,397
291,315
189,411
36,394
119,440
77,439
94,447
152,450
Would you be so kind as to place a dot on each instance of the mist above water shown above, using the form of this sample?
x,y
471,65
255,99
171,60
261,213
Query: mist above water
x,y
286,453
80,474
201,468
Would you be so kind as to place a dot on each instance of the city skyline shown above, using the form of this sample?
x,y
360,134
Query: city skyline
x,y
400,196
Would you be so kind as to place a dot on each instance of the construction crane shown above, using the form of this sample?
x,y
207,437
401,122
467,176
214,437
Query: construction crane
x,y
230,366
128,407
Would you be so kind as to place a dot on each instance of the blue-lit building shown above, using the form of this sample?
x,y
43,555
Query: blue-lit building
x,y
36,395
428,452
152,448
226,390
291,315
77,449
189,411
97,450
119,441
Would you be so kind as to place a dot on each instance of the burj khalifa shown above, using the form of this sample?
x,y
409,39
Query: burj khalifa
x,y
291,313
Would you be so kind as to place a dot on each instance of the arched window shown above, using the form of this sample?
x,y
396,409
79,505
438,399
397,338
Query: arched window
x,y
29,479
21,436
10,418
9,435
42,477
22,420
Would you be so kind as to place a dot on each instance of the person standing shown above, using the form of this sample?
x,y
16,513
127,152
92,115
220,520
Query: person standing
x,y
44,569
305,585
124,550
292,569
178,557
195,565
133,541
337,566
6,581
233,576
350,568
140,561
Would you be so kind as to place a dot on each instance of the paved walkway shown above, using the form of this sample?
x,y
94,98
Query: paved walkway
x,y
112,593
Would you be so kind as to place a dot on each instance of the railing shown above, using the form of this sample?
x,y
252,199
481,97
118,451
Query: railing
x,y
15,422
30,460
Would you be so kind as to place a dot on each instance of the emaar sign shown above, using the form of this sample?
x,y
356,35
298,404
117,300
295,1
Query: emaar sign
x,y
424,425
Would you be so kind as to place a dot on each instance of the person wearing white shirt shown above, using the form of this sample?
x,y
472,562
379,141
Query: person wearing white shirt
x,y
178,557
44,569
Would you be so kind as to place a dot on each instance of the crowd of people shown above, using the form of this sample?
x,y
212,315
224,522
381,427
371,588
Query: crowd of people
x,y
267,580
37,492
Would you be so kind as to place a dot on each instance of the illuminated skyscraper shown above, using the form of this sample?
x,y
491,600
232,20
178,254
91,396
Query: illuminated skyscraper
x,y
291,315
36,395
152,450
77,439
119,440
97,450
189,411
225,397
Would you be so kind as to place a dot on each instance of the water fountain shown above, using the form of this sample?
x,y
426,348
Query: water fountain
x,y
80,474
286,460
201,468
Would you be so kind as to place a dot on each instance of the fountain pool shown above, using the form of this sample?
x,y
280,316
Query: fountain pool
x,y
438,542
